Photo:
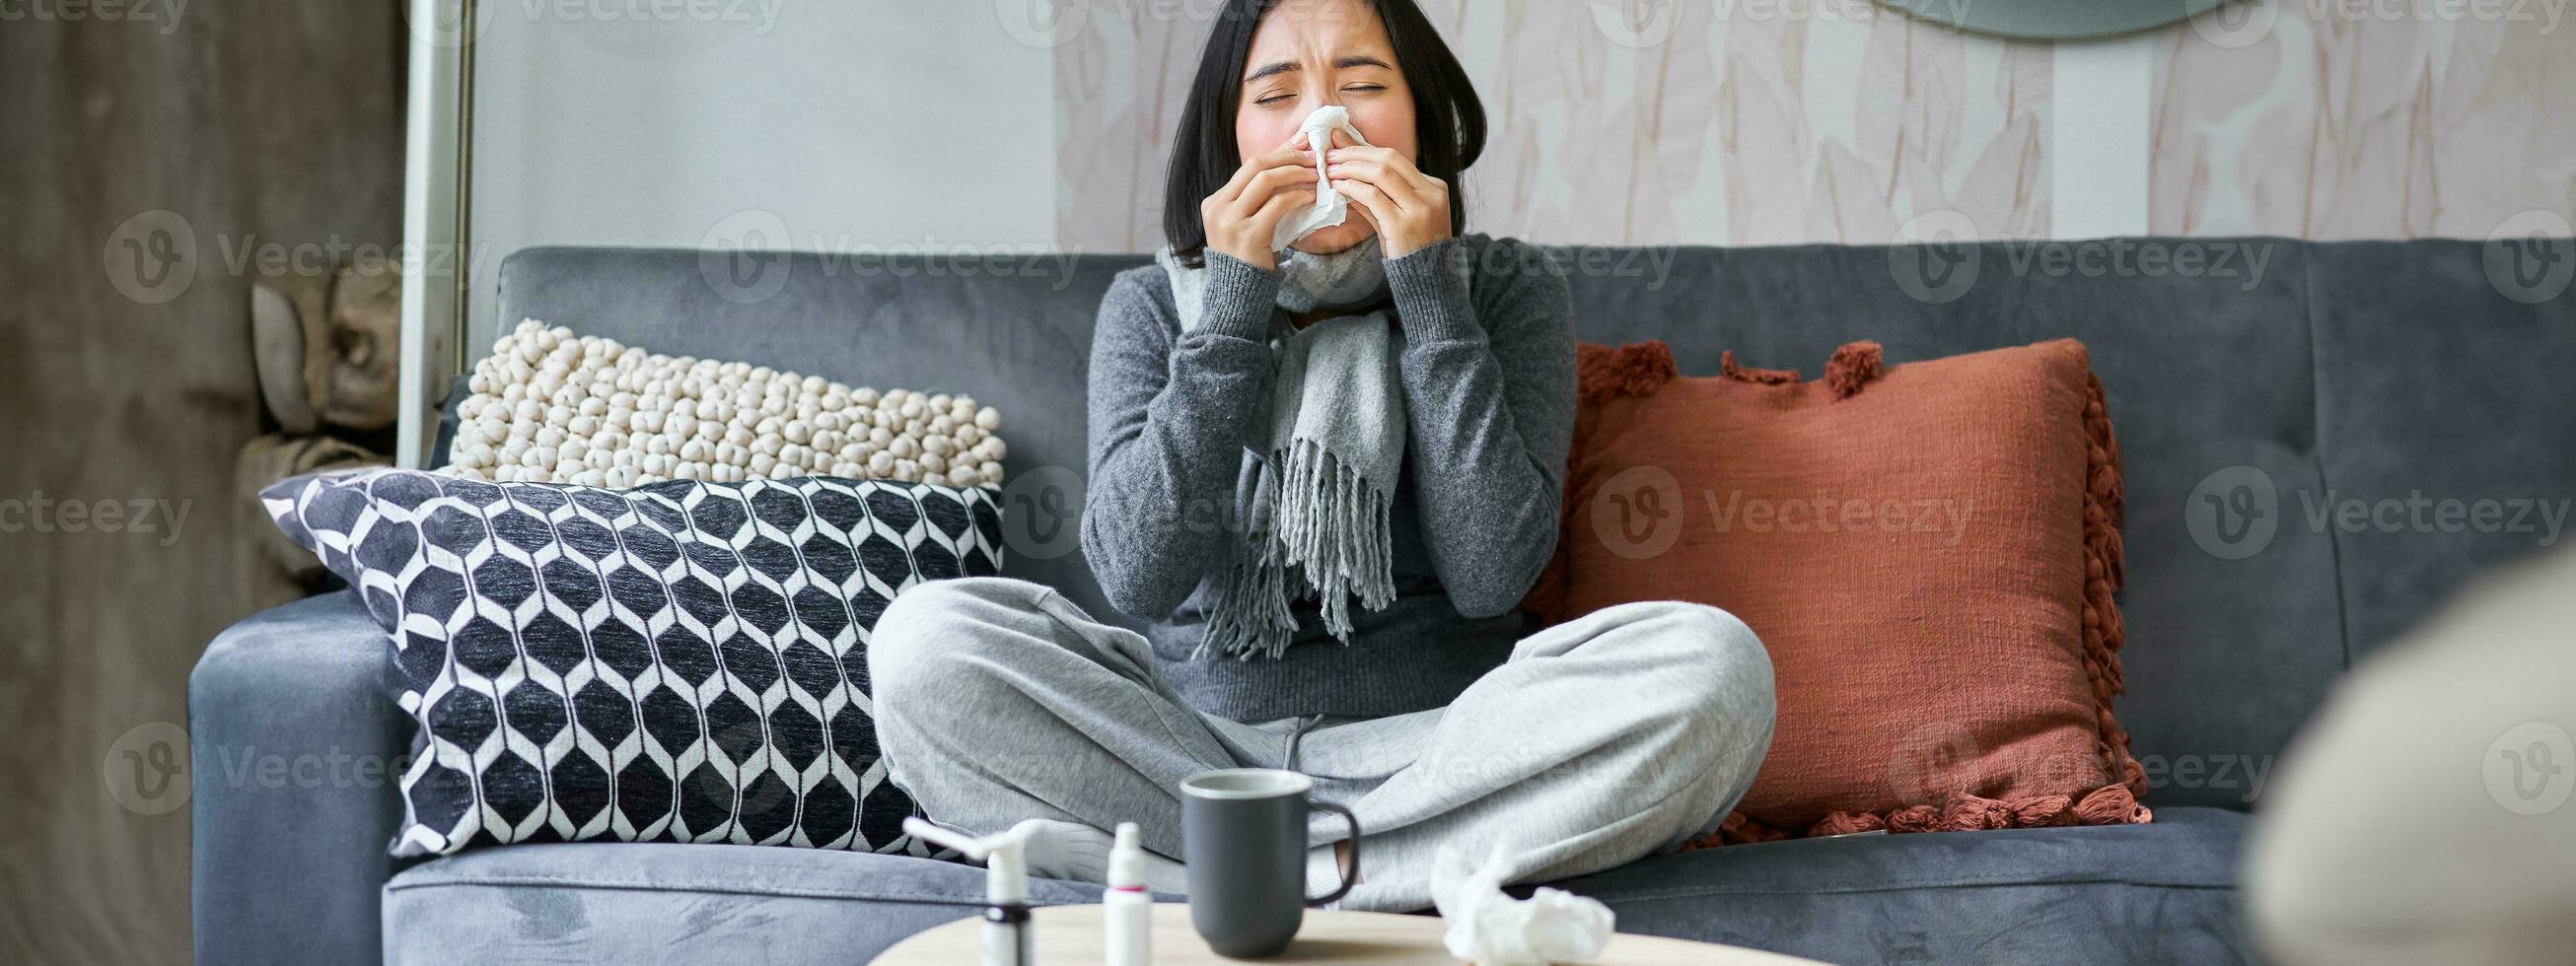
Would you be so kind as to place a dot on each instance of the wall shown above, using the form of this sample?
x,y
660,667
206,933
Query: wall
x,y
234,130
1733,122
808,124
2373,127
1753,122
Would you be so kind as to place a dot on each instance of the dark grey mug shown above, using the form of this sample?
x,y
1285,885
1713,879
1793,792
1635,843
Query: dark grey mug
x,y
1243,837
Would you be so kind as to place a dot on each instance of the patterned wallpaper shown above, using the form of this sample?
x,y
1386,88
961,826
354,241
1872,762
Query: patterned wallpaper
x,y
1785,121
2369,127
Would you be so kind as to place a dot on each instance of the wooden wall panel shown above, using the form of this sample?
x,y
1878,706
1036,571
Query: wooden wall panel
x,y
250,122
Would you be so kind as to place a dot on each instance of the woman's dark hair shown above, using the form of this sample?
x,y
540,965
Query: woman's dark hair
x,y
1449,120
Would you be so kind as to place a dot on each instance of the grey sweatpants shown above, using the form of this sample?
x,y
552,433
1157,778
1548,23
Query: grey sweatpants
x,y
1603,739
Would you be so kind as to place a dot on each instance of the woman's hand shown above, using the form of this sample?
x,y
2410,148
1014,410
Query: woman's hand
x,y
1241,216
1409,209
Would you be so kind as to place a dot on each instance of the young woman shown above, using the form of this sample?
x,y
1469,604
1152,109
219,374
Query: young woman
x,y
1326,476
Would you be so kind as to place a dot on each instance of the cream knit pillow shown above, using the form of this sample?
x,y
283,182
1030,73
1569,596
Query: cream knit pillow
x,y
549,406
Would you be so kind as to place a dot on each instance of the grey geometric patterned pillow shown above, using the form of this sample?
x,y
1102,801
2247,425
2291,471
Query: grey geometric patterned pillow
x,y
682,662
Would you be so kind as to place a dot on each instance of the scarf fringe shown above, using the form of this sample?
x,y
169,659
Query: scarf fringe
x,y
1329,532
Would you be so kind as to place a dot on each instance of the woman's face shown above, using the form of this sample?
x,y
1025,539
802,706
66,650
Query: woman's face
x,y
1310,53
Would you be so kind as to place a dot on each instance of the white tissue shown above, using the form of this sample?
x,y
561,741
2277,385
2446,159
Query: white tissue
x,y
1489,928
1330,207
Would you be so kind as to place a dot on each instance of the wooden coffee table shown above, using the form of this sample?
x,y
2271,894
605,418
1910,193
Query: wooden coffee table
x,y
1071,936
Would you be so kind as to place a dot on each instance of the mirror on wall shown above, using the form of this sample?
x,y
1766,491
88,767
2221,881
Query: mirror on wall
x,y
2053,19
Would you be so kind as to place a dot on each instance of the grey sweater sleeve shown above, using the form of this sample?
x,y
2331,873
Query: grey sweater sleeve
x,y
1489,383
1168,419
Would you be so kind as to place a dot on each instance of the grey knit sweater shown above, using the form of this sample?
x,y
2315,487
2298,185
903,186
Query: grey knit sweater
x,y
1486,355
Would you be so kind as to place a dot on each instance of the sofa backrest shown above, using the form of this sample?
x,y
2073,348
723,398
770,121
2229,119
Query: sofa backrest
x,y
2274,384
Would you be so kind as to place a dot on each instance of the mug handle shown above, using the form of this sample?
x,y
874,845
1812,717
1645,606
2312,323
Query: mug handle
x,y
1350,864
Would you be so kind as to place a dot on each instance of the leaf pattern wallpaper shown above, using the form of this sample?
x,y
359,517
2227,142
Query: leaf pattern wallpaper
x,y
1761,122
2370,127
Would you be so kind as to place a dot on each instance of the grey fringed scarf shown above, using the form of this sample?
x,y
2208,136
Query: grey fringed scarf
x,y
1322,471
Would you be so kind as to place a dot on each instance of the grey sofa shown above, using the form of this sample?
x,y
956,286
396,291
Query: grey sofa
x,y
2339,372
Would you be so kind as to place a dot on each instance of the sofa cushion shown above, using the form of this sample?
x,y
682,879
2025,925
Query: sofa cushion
x,y
684,661
605,902
555,406
1928,551
2145,893
2159,893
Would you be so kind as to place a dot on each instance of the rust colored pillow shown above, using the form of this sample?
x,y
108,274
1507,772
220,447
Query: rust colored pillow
x,y
1927,550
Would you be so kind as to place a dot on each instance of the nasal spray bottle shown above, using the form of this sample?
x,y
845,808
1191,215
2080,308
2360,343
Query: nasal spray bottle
x,y
1127,913
1007,937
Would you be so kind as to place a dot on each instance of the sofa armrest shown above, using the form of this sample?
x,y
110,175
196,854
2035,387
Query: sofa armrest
x,y
296,760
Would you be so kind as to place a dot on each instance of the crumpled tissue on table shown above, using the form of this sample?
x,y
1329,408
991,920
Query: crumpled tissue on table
x,y
1490,928
1330,207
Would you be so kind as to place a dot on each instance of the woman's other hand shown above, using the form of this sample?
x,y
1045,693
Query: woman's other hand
x,y
1241,216
1409,209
